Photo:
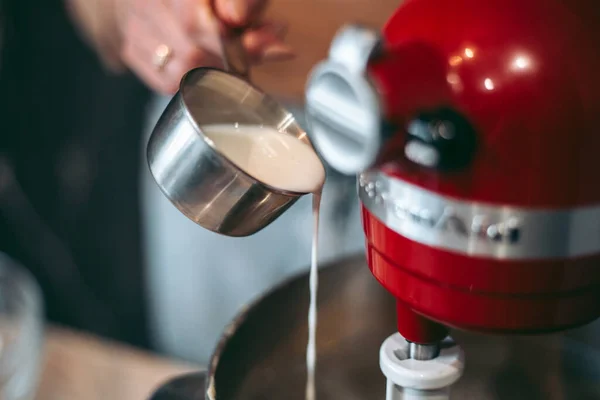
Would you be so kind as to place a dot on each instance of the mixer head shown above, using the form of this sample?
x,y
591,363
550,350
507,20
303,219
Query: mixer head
x,y
472,125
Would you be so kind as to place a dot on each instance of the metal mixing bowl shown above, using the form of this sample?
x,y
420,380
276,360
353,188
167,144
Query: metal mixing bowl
x,y
262,353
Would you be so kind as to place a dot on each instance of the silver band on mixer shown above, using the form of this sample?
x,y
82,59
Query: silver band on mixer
x,y
478,229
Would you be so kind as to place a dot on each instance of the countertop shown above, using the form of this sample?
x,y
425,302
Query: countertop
x,y
78,366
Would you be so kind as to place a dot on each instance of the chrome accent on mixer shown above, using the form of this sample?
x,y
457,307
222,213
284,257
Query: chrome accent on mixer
x,y
423,352
478,229
342,106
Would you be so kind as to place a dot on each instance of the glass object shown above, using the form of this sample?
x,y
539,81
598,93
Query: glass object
x,y
21,331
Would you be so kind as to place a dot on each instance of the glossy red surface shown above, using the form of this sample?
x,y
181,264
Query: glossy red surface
x,y
417,328
479,294
475,274
525,74
482,312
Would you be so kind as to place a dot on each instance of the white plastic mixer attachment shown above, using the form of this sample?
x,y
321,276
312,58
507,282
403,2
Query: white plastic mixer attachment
x,y
412,379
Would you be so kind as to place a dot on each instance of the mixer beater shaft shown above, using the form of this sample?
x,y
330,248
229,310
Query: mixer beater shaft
x,y
420,371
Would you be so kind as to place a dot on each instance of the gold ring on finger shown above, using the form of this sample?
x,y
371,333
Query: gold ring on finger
x,y
162,55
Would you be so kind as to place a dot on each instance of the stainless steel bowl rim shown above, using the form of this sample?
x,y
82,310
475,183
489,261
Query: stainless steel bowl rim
x,y
198,129
232,328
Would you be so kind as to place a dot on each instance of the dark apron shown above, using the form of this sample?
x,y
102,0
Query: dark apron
x,y
69,165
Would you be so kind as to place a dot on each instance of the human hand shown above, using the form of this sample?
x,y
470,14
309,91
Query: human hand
x,y
186,32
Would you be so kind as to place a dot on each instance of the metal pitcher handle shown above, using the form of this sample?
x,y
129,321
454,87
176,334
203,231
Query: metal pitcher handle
x,y
235,57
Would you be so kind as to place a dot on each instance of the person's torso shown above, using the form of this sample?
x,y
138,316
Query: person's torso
x,y
69,134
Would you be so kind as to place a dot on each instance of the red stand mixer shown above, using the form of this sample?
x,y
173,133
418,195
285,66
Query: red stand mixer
x,y
472,125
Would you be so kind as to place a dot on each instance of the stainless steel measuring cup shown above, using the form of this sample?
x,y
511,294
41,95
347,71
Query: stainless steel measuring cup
x,y
200,181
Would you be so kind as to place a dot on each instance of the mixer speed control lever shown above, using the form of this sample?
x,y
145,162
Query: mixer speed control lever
x,y
443,140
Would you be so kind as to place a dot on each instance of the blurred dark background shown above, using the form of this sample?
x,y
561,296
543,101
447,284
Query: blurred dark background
x,y
69,168
79,209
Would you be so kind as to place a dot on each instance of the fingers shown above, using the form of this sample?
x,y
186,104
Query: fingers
x,y
265,43
197,20
143,39
167,22
239,13
190,30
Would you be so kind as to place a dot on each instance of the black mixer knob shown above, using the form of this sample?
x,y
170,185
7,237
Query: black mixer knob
x,y
443,140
